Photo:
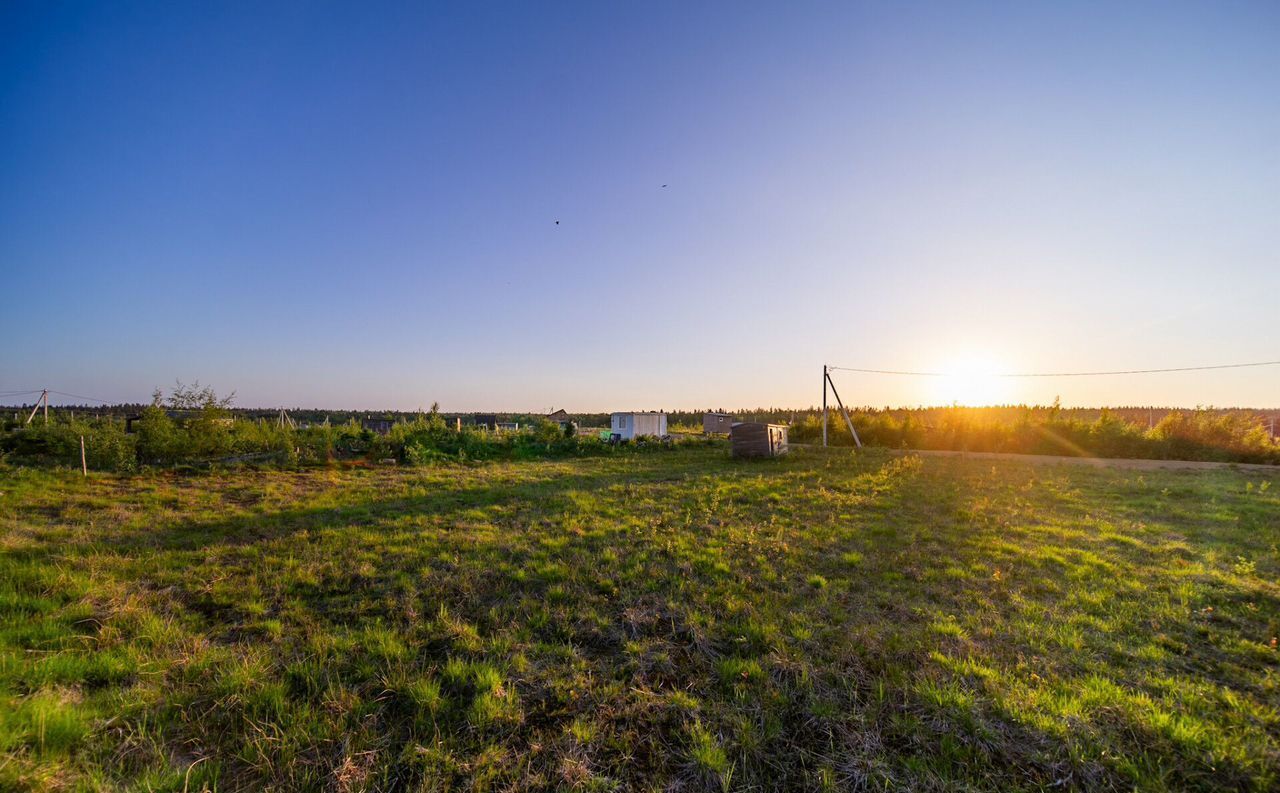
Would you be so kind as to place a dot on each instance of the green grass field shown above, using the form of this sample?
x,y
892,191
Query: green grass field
x,y
655,621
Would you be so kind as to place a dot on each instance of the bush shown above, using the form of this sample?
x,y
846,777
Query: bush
x,y
158,440
317,445
1204,435
107,447
1197,435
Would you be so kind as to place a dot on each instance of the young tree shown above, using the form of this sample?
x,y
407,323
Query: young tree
x,y
158,439
206,434
197,397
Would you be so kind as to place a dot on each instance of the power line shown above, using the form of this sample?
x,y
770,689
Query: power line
x,y
78,396
4,394
1060,374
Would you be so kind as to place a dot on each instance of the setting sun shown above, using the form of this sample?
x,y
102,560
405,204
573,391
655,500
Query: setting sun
x,y
970,381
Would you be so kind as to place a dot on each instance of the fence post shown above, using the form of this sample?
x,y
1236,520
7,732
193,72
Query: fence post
x,y
84,466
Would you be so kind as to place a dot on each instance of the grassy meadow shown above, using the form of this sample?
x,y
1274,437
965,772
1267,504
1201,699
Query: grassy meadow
x,y
671,620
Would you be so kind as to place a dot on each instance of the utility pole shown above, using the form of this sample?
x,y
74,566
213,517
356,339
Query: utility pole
x,y
827,381
44,398
843,409
824,404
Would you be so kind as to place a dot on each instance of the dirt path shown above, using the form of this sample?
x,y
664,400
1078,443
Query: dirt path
x,y
1100,462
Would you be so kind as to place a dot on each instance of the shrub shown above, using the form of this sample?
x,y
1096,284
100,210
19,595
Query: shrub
x,y
158,440
107,447
1186,435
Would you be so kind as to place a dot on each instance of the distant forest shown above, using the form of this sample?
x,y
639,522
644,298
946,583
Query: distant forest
x,y
927,416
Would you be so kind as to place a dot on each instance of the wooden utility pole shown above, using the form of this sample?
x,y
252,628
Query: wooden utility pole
x,y
44,398
843,409
824,404
827,381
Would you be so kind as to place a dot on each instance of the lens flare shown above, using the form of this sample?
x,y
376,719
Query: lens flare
x,y
972,382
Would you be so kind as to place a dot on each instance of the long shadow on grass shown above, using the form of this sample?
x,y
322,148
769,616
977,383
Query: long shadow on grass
x,y
978,520
947,736
538,500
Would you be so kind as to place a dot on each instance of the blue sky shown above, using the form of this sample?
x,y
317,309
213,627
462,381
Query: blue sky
x,y
355,205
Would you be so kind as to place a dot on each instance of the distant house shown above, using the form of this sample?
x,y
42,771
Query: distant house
x,y
562,418
508,426
627,426
487,420
380,426
756,439
716,423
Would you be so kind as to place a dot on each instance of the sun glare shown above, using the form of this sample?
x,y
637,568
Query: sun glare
x,y
971,382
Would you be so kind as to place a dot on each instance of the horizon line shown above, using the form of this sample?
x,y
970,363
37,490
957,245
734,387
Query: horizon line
x,y
758,409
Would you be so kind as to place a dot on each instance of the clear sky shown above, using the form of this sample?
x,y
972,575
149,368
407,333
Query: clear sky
x,y
355,205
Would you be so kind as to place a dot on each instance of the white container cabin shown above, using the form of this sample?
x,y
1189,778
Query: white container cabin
x,y
629,426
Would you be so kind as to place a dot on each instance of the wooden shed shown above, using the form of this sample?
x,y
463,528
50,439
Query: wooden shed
x,y
716,423
757,439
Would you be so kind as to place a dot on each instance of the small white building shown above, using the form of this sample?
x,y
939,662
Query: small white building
x,y
628,426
